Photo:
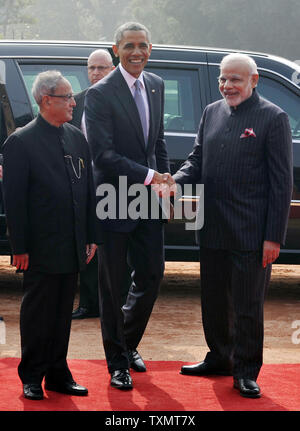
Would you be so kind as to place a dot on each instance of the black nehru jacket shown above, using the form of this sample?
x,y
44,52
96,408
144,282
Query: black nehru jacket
x,y
49,196
247,180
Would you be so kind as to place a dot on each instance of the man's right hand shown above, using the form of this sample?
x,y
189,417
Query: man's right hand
x,y
163,184
162,178
21,261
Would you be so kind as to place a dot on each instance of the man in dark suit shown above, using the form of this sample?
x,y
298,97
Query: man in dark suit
x,y
128,144
243,156
49,198
99,65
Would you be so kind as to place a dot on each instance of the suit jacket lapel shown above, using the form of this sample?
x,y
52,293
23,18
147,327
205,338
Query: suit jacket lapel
x,y
150,92
124,95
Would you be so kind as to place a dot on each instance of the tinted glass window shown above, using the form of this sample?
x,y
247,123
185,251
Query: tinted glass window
x,y
270,89
3,134
283,97
182,110
75,74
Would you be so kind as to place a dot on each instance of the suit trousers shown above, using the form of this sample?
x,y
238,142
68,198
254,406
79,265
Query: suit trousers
x,y
45,323
88,286
123,327
233,289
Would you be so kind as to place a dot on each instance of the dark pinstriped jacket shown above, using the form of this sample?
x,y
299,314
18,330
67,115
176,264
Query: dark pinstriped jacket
x,y
247,180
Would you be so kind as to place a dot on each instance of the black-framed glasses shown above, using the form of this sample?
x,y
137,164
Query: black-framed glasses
x,y
62,96
100,68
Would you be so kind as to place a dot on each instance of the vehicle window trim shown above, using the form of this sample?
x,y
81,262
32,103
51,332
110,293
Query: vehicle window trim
x,y
24,85
33,60
179,62
64,62
197,105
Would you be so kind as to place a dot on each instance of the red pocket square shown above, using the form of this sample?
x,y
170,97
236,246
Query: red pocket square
x,y
248,132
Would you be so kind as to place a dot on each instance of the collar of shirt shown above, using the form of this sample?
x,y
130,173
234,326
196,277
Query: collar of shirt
x,y
246,104
49,127
130,80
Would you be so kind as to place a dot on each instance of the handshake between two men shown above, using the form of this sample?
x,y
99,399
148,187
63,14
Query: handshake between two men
x,y
163,184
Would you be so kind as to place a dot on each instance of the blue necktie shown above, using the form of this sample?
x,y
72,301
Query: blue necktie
x,y
141,108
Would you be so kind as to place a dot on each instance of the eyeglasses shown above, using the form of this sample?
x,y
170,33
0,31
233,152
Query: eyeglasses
x,y
62,96
100,68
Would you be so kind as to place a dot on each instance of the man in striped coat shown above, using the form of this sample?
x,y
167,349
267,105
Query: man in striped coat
x,y
243,156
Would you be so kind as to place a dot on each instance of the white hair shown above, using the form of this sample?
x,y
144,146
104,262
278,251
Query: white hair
x,y
241,58
103,52
46,83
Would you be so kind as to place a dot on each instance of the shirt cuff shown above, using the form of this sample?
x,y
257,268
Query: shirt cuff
x,y
149,177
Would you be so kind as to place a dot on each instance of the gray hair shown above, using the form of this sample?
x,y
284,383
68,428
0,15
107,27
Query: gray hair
x,y
46,83
242,58
130,26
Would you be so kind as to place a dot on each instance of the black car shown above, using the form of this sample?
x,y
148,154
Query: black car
x,y
190,76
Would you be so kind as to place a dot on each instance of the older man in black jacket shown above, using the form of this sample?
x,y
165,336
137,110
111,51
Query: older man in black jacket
x,y
50,209
243,156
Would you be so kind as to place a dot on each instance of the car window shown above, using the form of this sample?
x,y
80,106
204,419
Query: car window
x,y
3,134
270,89
182,110
283,97
75,74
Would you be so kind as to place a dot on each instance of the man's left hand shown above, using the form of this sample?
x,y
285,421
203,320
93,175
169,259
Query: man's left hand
x,y
271,251
90,252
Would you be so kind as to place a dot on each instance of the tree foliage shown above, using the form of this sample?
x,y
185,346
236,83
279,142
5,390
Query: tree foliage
x,y
260,25
13,12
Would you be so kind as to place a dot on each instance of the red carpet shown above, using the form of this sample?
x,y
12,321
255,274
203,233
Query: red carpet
x,y
161,388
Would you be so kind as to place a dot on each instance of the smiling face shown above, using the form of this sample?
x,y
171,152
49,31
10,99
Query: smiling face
x,y
134,51
236,82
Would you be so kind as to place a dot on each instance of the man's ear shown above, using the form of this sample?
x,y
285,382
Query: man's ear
x,y
255,79
115,50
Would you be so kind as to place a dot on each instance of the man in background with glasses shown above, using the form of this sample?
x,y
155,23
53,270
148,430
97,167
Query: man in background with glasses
x,y
99,65
49,199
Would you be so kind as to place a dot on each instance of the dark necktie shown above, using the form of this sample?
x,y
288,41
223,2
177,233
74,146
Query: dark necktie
x,y
141,108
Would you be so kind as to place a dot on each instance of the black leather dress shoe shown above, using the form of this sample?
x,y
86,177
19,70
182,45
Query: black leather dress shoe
x,y
83,313
70,388
203,369
33,391
248,388
121,379
135,361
